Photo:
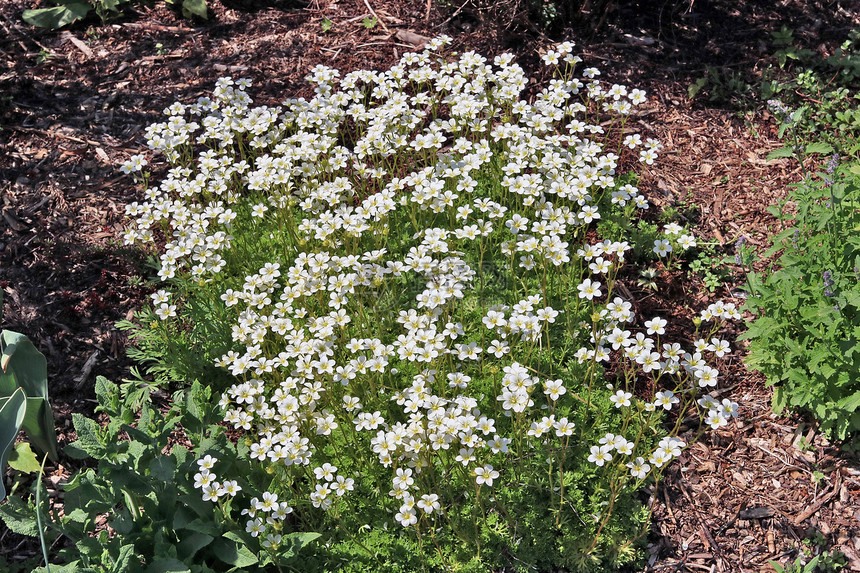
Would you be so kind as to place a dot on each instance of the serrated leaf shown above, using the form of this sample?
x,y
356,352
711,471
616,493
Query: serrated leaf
x,y
23,459
56,17
779,153
850,403
19,517
819,147
780,399
106,392
88,436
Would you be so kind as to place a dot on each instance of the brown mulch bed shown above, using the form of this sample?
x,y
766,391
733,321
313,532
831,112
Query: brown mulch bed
x,y
73,106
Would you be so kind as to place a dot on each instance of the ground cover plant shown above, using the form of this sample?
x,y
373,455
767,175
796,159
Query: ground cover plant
x,y
403,278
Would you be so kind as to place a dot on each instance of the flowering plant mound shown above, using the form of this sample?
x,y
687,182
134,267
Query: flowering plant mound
x,y
419,312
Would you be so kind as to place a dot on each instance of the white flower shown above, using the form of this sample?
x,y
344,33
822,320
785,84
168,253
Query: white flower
x,y
589,289
600,455
485,475
621,398
656,325
666,399
429,502
686,241
662,247
638,468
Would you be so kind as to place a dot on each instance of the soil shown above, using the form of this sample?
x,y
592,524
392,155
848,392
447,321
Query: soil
x,y
74,103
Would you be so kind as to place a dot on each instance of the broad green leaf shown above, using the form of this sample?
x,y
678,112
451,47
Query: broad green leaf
x,y
295,542
23,459
73,567
56,17
192,543
126,558
11,417
195,7
39,425
20,517
111,4
88,436
163,468
780,399
123,523
781,152
166,564
850,403
233,554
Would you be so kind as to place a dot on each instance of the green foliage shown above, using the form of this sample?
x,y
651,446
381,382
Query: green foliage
x,y
68,11
825,88
806,337
144,482
58,16
724,85
326,25
402,322
825,562
711,267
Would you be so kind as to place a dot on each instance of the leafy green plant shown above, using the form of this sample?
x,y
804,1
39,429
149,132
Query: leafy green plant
x,y
68,11
825,88
824,562
144,483
724,86
326,25
806,334
23,403
369,23
710,267
415,300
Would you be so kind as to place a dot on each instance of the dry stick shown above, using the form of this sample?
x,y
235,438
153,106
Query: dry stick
x,y
454,15
378,19
801,517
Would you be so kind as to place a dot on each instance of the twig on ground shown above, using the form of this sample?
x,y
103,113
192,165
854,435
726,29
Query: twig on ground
x,y
378,19
803,515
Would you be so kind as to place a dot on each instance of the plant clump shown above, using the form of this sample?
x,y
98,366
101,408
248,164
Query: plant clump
x,y
416,313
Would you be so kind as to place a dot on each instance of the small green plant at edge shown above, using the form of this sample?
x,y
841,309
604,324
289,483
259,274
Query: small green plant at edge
x,y
806,334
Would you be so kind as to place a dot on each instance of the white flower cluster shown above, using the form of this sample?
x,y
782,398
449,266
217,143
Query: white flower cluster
x,y
447,150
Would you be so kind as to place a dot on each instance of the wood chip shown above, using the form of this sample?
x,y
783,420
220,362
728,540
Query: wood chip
x,y
416,40
85,50
756,513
